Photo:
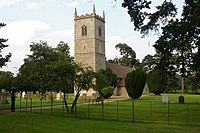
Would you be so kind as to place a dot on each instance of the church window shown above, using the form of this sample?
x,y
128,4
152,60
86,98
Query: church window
x,y
99,30
84,30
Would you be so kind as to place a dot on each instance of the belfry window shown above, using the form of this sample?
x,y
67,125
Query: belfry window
x,y
84,30
99,30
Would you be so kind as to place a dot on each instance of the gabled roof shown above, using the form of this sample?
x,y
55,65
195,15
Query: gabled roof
x,y
119,70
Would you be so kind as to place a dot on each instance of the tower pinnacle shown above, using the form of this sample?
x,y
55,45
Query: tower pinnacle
x,y
94,11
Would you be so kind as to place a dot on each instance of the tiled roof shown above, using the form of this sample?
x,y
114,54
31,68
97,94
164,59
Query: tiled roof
x,y
119,70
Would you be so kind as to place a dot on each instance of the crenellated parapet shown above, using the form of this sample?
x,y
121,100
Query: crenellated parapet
x,y
93,14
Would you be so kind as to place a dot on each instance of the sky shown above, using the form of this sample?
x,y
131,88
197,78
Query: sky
x,y
30,21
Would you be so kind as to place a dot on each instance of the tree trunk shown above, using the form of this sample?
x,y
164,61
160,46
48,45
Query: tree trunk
x,y
66,106
182,86
75,101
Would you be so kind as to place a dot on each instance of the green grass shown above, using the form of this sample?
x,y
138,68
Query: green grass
x,y
21,122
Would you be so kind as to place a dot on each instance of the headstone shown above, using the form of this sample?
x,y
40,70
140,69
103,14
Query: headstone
x,y
93,96
23,94
4,96
181,99
37,93
18,95
29,96
58,96
164,98
84,96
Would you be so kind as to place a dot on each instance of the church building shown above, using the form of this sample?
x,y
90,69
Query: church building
x,y
89,40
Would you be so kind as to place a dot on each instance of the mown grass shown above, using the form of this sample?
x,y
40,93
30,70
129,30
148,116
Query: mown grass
x,y
22,122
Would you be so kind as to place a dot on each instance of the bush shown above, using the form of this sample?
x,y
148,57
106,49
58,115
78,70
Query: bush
x,y
107,91
135,82
156,81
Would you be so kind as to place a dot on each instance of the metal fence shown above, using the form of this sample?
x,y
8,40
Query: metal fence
x,y
112,110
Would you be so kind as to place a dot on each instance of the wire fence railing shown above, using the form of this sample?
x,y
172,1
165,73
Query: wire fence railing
x,y
112,110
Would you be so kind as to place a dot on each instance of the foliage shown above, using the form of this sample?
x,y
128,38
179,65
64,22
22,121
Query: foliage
x,y
84,80
128,56
47,68
156,81
179,44
105,78
107,91
5,59
138,11
135,82
6,79
149,62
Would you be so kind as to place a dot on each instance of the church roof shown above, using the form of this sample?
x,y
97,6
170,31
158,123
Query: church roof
x,y
119,70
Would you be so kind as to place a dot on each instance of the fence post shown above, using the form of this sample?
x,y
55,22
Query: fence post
x,y
13,99
63,106
51,105
117,111
89,109
168,113
187,113
26,103
31,104
20,101
133,110
41,105
102,109
75,111
150,111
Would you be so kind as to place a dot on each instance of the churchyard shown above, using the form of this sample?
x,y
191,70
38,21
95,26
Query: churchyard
x,y
149,109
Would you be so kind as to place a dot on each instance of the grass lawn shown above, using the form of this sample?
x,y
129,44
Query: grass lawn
x,y
22,122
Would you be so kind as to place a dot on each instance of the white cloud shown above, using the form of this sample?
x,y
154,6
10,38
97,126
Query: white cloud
x,y
34,5
72,4
8,2
20,34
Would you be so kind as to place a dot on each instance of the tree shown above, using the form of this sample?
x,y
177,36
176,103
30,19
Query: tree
x,y
180,37
47,68
6,79
135,82
138,11
5,59
156,82
84,80
128,56
149,62
105,80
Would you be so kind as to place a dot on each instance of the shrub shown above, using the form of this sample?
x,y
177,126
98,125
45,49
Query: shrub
x,y
135,82
107,91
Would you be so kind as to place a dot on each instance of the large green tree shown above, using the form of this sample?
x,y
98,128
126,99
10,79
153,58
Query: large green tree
x,y
128,56
5,59
47,68
178,45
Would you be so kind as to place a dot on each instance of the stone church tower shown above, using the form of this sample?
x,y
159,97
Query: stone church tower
x,y
89,40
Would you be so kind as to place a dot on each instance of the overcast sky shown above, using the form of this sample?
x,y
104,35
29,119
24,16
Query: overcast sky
x,y
52,21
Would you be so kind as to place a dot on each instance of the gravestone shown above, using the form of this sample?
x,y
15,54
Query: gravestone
x,y
29,95
181,99
58,96
4,96
37,93
84,96
23,94
164,98
18,94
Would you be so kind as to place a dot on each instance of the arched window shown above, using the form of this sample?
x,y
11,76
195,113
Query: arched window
x,y
99,30
84,30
